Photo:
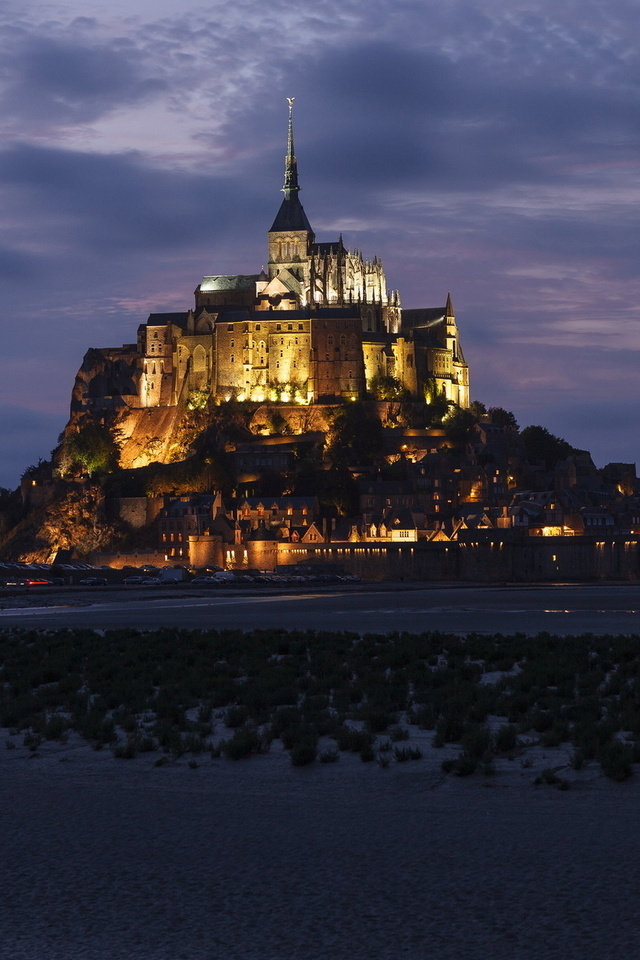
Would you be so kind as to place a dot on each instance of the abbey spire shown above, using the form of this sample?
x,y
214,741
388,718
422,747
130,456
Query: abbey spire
x,y
290,163
291,215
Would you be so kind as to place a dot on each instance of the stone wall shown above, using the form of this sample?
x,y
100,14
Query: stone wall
x,y
488,560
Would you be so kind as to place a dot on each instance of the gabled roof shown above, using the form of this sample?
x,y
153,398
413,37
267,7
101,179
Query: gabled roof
x,y
280,503
423,317
401,519
162,319
240,281
332,246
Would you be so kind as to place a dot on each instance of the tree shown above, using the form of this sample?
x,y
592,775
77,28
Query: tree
x,y
93,448
387,388
436,404
477,408
503,418
459,424
333,488
356,434
539,444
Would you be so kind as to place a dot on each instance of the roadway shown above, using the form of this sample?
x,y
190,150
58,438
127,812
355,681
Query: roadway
x,y
562,609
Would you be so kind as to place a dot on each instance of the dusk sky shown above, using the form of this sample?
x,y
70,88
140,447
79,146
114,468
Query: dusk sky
x,y
485,147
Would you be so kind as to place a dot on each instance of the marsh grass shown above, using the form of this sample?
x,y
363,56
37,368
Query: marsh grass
x,y
124,686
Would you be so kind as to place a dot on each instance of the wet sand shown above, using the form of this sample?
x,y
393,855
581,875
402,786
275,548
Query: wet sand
x,y
257,860
379,608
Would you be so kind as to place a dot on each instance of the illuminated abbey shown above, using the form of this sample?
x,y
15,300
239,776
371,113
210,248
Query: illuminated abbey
x,y
317,325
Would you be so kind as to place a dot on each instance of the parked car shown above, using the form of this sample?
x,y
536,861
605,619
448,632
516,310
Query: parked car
x,y
93,582
133,581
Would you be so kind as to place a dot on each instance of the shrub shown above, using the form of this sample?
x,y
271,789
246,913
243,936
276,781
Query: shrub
x,y
285,718
303,752
353,740
242,744
407,753
193,743
615,760
329,756
56,728
377,720
464,766
236,717
424,716
32,741
476,742
367,754
547,776
505,738
126,750
448,730
577,760
398,733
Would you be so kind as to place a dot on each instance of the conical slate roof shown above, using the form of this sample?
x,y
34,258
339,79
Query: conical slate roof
x,y
291,216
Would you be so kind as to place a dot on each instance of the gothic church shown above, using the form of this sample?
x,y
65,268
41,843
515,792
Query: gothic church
x,y
318,325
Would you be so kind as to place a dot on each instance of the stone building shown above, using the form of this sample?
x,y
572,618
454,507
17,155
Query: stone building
x,y
319,323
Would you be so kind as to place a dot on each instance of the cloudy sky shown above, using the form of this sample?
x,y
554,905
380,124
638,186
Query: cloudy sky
x,y
487,148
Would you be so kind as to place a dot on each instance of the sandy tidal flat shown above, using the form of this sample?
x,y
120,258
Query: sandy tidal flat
x,y
257,860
